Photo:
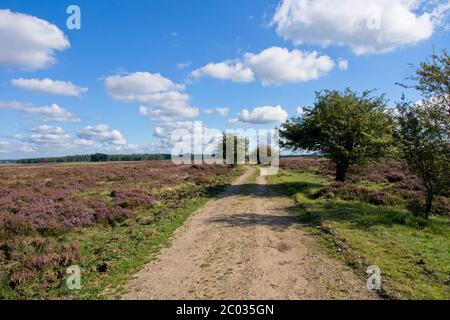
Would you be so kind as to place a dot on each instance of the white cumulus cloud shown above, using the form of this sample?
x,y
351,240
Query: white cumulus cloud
x,y
159,132
47,129
226,70
183,65
53,113
49,86
26,149
28,42
49,135
162,99
208,111
179,132
277,65
223,112
4,146
103,139
300,111
84,142
133,148
44,140
369,26
262,115
343,64
274,66
139,86
17,144
101,133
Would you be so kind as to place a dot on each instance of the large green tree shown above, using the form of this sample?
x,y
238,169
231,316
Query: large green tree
x,y
345,127
423,128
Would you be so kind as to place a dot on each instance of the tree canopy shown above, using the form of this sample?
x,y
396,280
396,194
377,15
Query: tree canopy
x,y
346,127
423,128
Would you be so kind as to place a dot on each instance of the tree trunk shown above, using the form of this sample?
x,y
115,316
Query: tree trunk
x,y
429,203
341,171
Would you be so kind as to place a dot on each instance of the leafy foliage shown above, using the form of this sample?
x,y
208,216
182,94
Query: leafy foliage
x,y
424,128
432,77
345,127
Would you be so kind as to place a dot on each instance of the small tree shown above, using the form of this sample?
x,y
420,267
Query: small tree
x,y
344,126
424,128
424,145
240,147
264,150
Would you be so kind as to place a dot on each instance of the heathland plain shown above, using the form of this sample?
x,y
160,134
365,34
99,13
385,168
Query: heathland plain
x,y
116,220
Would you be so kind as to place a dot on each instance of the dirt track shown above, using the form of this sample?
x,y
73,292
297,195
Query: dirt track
x,y
245,245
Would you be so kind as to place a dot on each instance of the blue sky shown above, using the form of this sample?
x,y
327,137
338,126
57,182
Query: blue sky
x,y
175,38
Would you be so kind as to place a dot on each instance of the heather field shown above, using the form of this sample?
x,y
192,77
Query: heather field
x,y
386,181
112,219
106,218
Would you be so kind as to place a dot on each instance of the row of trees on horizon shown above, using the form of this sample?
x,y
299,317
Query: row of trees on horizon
x,y
96,157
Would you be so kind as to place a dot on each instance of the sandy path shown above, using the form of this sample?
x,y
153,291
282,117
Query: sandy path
x,y
245,245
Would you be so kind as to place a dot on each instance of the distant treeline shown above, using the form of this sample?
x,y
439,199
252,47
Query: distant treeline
x,y
97,157
7,161
101,157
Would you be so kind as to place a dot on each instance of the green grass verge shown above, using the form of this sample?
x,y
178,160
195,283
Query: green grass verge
x,y
124,249
413,254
